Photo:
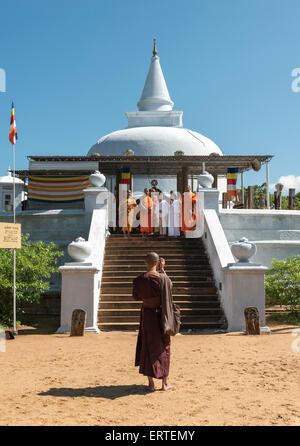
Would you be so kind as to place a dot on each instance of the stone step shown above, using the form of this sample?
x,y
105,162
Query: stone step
x,y
184,261
187,297
135,312
177,284
131,255
170,268
183,318
155,240
133,326
137,304
159,245
178,275
175,279
188,266
141,254
118,326
115,236
156,244
206,289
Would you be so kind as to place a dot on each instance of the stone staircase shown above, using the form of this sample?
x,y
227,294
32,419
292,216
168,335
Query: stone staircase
x,y
188,267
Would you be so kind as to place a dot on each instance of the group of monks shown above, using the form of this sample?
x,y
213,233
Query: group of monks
x,y
153,208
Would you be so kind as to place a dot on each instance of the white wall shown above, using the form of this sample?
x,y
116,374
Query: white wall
x,y
240,284
60,226
276,233
166,183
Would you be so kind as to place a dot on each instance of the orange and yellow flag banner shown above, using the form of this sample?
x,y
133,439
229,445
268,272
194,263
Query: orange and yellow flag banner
x,y
50,189
13,136
232,174
125,176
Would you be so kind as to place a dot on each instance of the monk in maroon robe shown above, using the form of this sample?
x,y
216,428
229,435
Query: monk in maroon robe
x,y
153,346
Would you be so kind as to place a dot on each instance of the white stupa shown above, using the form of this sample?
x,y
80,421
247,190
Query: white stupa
x,y
155,129
6,193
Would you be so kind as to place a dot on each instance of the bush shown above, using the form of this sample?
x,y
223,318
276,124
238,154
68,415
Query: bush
x,y
285,318
283,283
35,262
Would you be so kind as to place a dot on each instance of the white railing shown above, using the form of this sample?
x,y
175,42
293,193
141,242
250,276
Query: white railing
x,y
81,281
240,285
218,251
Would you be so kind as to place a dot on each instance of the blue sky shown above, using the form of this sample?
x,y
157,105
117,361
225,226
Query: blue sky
x,y
74,67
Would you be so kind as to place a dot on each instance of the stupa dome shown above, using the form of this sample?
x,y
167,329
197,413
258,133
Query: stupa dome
x,y
155,141
155,129
8,179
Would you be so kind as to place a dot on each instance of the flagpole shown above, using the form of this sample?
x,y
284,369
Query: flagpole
x,y
14,251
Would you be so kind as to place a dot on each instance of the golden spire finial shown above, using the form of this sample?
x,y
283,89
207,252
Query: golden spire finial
x,y
154,49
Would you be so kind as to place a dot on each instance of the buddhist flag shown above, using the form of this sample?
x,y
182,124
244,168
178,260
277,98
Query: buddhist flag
x,y
13,136
232,174
125,176
57,189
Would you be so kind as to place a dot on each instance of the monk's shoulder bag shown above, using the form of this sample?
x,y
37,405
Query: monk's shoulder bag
x,y
170,312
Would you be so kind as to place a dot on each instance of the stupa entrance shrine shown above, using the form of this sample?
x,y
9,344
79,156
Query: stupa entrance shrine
x,y
171,172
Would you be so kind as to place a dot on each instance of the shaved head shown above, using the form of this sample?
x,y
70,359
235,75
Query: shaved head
x,y
151,259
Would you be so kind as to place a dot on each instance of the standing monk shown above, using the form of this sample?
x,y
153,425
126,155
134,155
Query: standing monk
x,y
189,202
145,213
155,210
174,216
128,205
153,346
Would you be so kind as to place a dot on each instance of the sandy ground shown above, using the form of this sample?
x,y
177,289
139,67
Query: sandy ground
x,y
220,379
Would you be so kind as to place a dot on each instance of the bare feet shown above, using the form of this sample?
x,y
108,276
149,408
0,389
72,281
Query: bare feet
x,y
167,387
151,385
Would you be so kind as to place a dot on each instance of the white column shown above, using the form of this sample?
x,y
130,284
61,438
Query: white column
x,y
94,198
81,280
79,291
242,187
244,287
267,185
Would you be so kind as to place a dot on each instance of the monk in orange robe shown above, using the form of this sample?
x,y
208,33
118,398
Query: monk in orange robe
x,y
146,213
189,210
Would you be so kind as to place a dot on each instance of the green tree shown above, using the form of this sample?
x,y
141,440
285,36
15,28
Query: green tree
x,y
283,283
35,263
297,201
258,190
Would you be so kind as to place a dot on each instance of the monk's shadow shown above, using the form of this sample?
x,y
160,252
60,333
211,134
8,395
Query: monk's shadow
x,y
109,392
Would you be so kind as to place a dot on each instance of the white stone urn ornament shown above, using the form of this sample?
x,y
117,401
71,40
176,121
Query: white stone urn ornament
x,y
205,179
128,152
243,250
79,249
97,179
